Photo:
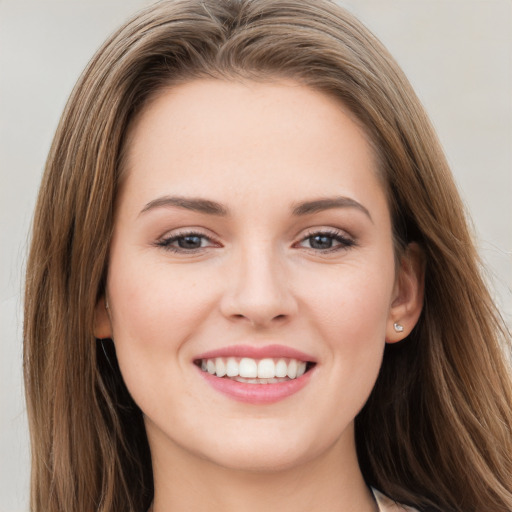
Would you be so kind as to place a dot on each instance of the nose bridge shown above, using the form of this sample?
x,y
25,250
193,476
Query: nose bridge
x,y
258,290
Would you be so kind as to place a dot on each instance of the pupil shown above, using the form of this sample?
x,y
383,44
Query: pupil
x,y
190,242
321,242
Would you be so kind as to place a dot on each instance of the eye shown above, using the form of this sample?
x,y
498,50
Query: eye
x,y
327,241
186,242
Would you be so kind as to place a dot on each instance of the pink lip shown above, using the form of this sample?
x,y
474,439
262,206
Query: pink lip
x,y
262,352
256,393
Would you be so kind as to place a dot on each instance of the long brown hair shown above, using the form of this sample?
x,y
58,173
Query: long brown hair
x,y
436,432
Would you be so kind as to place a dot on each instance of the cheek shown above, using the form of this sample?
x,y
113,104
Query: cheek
x,y
351,313
353,326
155,308
354,300
155,311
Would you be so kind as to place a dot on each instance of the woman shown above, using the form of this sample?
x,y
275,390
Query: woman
x,y
251,282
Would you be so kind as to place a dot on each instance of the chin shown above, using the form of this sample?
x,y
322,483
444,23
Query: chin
x,y
260,459
278,450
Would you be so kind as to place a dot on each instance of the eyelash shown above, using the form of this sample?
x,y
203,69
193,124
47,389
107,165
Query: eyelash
x,y
165,243
344,241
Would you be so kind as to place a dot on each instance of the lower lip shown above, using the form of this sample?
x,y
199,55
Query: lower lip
x,y
256,393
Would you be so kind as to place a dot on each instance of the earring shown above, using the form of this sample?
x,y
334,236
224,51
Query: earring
x,y
398,327
106,304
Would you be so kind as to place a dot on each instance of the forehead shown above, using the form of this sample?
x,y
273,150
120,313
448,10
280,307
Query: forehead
x,y
264,139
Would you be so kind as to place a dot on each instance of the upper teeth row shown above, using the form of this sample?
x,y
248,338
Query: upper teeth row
x,y
252,368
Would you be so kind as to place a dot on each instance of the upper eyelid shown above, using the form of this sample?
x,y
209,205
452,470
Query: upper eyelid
x,y
180,232
304,233
324,229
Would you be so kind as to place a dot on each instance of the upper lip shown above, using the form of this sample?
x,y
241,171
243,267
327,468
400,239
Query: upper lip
x,y
259,352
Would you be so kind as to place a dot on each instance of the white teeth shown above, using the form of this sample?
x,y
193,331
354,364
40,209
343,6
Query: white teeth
x,y
210,366
254,371
232,367
292,369
266,369
220,367
281,368
248,368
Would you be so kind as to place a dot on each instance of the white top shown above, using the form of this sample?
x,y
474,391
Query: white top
x,y
386,504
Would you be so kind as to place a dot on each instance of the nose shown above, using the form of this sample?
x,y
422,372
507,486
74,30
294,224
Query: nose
x,y
258,291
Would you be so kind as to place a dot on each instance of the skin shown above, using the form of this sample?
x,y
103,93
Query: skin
x,y
258,278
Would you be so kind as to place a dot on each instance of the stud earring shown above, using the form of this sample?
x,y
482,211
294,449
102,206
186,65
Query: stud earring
x,y
106,304
398,327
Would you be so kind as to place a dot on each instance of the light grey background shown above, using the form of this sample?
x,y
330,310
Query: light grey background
x,y
457,54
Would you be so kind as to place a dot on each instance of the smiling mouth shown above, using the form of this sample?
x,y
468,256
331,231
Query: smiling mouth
x,y
255,371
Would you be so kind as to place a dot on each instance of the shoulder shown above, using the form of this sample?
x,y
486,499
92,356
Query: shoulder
x,y
388,505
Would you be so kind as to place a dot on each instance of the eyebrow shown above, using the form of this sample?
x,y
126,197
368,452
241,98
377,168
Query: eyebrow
x,y
213,208
188,203
328,203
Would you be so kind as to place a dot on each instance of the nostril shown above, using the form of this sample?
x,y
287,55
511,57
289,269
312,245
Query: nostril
x,y
241,316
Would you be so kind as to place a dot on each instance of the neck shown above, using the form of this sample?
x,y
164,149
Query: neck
x,y
329,483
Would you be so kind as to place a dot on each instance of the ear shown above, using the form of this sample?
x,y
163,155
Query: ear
x,y
407,301
102,323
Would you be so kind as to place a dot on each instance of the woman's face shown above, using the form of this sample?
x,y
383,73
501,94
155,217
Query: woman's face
x,y
252,234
